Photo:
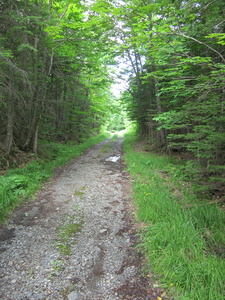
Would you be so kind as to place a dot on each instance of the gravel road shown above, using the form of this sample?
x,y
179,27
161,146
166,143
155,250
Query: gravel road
x,y
76,239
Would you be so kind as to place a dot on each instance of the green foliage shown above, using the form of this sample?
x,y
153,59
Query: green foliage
x,y
210,220
53,72
183,243
176,86
24,46
220,37
116,118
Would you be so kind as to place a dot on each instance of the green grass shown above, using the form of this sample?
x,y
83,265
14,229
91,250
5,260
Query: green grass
x,y
19,184
106,147
67,233
181,242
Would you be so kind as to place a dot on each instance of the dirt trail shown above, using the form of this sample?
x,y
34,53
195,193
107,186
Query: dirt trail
x,y
75,240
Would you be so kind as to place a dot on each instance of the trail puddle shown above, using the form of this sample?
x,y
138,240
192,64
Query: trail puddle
x,y
113,158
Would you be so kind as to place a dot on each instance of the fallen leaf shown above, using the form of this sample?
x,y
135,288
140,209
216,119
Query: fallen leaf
x,y
159,298
163,294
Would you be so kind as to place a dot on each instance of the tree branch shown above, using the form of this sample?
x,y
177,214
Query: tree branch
x,y
200,42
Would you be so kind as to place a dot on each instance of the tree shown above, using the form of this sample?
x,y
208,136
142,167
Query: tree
x,y
178,88
52,65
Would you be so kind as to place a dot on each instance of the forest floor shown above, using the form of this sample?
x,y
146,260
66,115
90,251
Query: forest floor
x,y
77,238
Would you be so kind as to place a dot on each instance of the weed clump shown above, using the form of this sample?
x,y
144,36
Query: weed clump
x,y
67,233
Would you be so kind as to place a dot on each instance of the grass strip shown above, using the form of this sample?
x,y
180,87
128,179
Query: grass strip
x,y
20,183
173,238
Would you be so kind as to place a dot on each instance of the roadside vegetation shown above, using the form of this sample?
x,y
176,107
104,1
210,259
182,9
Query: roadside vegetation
x,y
18,184
182,233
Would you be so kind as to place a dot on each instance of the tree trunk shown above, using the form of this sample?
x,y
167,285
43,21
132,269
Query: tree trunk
x,y
159,108
35,139
10,119
37,100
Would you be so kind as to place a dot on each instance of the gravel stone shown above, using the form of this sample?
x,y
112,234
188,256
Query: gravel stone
x,y
74,295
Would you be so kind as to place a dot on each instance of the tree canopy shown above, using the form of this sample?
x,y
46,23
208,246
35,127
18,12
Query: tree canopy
x,y
56,60
175,50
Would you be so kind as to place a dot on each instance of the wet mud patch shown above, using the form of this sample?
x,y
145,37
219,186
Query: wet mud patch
x,y
140,290
6,233
123,230
32,215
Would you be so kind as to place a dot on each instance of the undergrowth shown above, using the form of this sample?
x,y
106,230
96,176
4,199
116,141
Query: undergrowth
x,y
20,183
179,240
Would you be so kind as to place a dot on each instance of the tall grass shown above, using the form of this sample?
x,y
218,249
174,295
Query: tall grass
x,y
19,184
179,242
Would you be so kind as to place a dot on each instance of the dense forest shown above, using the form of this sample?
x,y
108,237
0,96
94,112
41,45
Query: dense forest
x,y
54,75
176,89
58,59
